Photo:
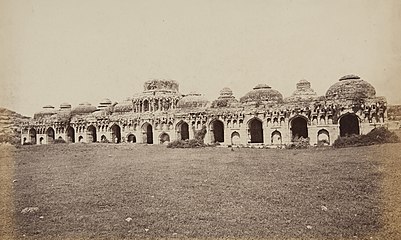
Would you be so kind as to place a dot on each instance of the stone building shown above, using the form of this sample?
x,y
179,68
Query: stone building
x,y
161,114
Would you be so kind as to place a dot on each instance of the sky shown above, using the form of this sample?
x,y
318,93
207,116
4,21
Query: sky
x,y
55,51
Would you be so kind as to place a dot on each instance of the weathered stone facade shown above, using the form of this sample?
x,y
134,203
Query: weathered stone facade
x,y
162,114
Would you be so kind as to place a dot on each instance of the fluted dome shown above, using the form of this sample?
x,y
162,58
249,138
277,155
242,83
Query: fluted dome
x,y
124,106
46,111
83,108
351,87
262,93
303,93
192,100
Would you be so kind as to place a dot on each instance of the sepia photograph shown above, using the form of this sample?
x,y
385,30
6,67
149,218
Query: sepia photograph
x,y
200,119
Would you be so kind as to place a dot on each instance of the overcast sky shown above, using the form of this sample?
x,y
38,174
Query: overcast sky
x,y
54,51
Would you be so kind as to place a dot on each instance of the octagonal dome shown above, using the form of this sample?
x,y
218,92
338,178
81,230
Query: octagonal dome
x,y
303,93
46,111
65,106
192,100
83,108
351,87
124,106
262,93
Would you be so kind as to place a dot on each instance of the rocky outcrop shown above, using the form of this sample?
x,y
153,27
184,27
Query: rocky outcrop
x,y
10,123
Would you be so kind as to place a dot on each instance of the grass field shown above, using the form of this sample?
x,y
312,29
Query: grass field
x,y
89,190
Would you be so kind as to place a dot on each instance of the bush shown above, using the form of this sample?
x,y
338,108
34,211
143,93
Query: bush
x,y
298,143
60,140
376,136
193,143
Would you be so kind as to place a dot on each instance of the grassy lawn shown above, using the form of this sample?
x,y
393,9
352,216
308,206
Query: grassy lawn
x,y
89,190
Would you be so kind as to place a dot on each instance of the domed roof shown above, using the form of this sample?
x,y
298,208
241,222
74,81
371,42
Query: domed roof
x,y
105,101
226,92
124,106
351,87
47,110
65,106
192,100
226,99
264,93
83,108
303,93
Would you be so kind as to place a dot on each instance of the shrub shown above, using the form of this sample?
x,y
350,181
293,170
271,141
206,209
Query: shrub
x,y
298,143
60,140
376,136
193,143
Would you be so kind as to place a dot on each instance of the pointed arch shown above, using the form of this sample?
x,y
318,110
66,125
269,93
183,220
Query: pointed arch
x,y
349,125
92,135
255,127
70,131
131,138
299,127
217,131
147,130
115,133
50,133
32,135
164,138
276,138
182,130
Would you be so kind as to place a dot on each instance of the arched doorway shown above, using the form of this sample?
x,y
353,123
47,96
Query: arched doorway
x,y
256,130
70,134
349,125
217,130
299,128
148,133
41,140
164,138
131,138
50,135
115,133
80,139
276,138
235,138
183,130
32,136
92,136
145,105
323,137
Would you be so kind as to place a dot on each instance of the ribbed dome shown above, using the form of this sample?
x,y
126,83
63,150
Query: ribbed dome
x,y
192,100
350,87
47,110
303,93
83,108
124,106
264,93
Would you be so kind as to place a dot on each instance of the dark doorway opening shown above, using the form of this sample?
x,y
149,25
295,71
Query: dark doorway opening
x,y
299,128
70,134
256,131
184,131
349,125
50,135
116,133
131,138
218,131
92,137
32,136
